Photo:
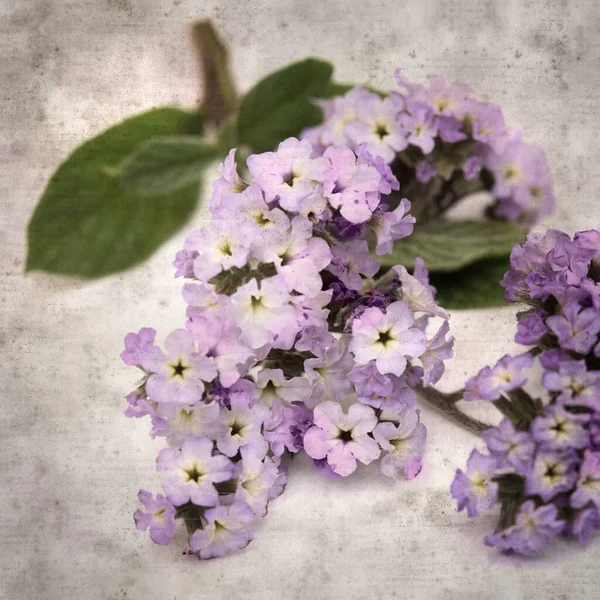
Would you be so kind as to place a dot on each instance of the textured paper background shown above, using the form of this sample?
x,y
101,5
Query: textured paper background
x,y
71,464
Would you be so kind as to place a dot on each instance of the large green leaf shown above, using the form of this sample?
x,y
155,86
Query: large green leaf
x,y
280,105
165,164
451,245
475,286
87,224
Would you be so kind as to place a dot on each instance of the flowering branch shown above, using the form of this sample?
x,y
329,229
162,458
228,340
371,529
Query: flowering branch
x,y
543,461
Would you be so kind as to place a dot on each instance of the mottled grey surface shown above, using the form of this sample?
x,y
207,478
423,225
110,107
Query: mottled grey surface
x,y
71,464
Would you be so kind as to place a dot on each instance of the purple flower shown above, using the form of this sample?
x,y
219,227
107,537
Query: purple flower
x,y
227,528
240,425
531,329
570,259
387,338
177,422
342,438
255,474
285,426
329,374
191,472
425,172
471,167
474,489
377,127
399,397
139,405
315,340
273,386
159,517
552,473
184,263
504,376
438,350
557,429
511,448
368,380
404,441
179,375
532,531
350,261
352,188
288,175
392,225
418,295
576,330
229,182
420,126
138,345
488,126
588,484
586,522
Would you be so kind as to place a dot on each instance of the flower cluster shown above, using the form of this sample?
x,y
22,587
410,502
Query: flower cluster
x,y
543,465
443,144
289,344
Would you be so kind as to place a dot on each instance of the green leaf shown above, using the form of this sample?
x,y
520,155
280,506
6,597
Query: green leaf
x,y
280,105
87,224
451,245
475,286
165,164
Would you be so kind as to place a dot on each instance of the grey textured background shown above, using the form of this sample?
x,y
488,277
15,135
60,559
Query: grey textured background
x,y
71,464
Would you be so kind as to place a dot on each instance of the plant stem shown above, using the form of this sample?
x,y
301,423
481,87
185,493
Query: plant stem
x,y
447,404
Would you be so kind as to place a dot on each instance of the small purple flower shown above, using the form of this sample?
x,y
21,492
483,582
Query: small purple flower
x,y
405,443
472,167
239,426
532,531
138,345
285,426
387,338
439,349
417,294
368,380
255,474
557,429
159,517
504,376
552,473
511,447
531,329
352,188
184,263
179,375
588,484
391,225
191,472
576,330
585,524
342,438
420,126
289,174
425,172
474,489
350,261
229,182
227,528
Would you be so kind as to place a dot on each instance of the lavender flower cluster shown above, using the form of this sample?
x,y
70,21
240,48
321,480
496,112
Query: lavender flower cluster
x,y
437,134
543,461
289,343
